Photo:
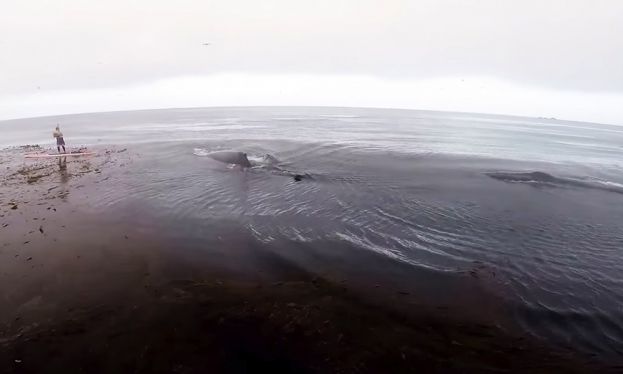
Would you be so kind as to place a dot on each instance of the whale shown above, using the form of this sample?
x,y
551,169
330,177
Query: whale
x,y
231,157
269,162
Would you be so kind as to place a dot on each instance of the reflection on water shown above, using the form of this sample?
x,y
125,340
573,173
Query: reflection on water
x,y
62,167
64,178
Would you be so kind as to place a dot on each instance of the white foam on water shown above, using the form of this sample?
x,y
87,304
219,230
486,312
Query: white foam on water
x,y
202,152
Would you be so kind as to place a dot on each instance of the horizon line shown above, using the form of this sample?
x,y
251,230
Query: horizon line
x,y
309,106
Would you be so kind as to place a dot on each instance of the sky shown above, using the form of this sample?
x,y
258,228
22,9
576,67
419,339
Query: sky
x,y
545,58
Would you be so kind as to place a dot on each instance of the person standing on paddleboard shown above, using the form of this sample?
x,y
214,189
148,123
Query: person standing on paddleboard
x,y
60,142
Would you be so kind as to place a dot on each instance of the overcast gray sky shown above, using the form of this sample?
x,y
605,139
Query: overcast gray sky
x,y
560,58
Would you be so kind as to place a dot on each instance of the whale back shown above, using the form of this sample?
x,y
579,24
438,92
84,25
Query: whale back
x,y
230,157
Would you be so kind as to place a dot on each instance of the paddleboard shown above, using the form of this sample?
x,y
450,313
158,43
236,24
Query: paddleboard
x,y
45,155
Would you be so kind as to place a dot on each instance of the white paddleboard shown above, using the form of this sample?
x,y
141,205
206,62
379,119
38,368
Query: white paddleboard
x,y
45,155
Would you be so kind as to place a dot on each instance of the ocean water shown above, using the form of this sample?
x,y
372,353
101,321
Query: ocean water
x,y
535,206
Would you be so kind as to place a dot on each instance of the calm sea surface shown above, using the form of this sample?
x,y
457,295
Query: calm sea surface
x,y
537,203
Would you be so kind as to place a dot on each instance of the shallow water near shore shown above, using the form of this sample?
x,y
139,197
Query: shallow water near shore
x,y
513,221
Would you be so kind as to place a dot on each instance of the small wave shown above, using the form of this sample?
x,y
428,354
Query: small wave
x,y
610,184
339,116
263,160
290,118
541,179
201,152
